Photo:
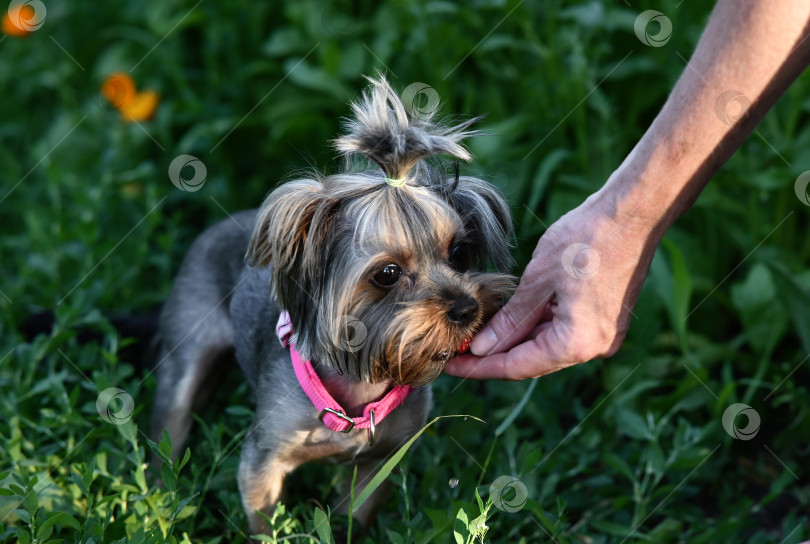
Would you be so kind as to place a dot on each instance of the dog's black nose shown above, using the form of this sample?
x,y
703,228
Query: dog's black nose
x,y
463,311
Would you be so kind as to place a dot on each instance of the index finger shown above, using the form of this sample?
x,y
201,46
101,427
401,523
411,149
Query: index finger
x,y
524,361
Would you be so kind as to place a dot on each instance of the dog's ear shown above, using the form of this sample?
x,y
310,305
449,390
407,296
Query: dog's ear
x,y
292,231
487,220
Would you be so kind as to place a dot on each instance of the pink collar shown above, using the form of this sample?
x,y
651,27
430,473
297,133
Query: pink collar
x,y
329,411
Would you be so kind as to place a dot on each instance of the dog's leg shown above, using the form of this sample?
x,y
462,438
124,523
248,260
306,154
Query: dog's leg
x,y
261,480
185,385
197,344
196,329
172,402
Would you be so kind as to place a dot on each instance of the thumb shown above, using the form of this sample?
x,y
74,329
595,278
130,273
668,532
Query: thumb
x,y
512,323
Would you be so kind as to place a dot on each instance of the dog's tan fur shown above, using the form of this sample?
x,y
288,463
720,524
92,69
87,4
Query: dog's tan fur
x,y
317,250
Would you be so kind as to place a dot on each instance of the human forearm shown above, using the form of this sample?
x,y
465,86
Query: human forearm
x,y
752,47
576,295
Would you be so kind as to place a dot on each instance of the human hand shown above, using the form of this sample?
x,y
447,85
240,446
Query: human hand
x,y
574,300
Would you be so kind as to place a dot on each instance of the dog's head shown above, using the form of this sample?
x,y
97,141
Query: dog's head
x,y
383,271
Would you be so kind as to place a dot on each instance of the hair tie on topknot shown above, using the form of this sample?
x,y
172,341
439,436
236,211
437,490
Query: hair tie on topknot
x,y
395,182
383,131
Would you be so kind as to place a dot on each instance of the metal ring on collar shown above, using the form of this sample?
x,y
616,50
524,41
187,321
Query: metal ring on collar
x,y
340,415
371,428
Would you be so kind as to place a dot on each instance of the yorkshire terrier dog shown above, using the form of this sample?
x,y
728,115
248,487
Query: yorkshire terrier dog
x,y
341,299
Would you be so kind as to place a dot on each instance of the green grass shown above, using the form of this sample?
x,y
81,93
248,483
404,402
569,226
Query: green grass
x,y
627,449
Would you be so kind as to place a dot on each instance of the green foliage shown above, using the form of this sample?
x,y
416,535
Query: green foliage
x,y
627,449
469,531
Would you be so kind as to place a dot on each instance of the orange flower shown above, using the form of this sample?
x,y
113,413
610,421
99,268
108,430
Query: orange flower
x,y
119,90
142,107
15,21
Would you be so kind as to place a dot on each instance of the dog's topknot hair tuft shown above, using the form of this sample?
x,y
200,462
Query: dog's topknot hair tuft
x,y
385,132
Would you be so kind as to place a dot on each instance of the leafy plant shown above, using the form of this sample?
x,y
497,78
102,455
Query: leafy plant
x,y
627,449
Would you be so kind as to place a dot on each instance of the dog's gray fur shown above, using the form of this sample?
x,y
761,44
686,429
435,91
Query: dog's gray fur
x,y
316,249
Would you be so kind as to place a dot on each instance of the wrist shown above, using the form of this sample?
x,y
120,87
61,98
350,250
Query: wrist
x,y
657,182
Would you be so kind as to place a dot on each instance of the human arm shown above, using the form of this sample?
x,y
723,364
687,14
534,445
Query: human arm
x,y
569,308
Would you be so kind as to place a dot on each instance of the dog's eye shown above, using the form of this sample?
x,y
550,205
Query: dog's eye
x,y
459,258
387,275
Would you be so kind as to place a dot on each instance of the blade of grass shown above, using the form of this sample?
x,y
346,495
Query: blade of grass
x,y
352,508
517,409
386,469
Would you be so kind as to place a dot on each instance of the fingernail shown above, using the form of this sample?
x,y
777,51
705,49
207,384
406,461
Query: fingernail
x,y
483,342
